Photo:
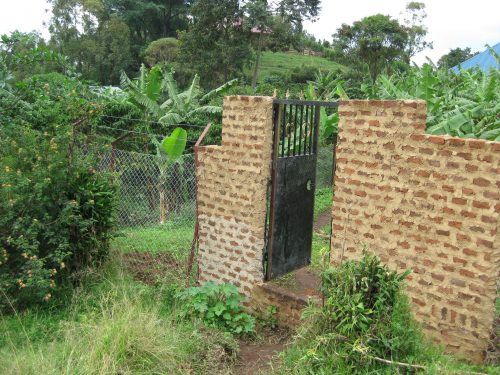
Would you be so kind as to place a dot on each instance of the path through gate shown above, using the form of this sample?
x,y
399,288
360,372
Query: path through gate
x,y
291,213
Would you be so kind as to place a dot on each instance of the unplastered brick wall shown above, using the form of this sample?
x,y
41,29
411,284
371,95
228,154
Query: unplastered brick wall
x,y
232,189
429,203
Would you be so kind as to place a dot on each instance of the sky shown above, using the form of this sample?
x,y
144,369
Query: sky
x,y
451,23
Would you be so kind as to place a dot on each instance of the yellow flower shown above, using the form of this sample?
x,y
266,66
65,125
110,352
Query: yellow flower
x,y
62,265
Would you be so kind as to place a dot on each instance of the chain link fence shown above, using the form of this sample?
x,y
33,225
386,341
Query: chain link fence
x,y
156,211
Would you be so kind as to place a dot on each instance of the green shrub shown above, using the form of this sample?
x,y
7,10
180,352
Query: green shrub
x,y
56,214
217,306
162,51
365,316
303,74
358,294
277,79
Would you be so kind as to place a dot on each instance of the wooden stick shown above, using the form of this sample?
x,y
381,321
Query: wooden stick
x,y
420,367
399,364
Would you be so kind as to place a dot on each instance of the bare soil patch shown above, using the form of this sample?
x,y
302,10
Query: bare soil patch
x,y
322,220
149,268
257,357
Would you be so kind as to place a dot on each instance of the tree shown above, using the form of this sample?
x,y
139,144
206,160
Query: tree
x,y
97,42
103,37
282,18
150,20
217,45
259,19
114,50
415,16
296,11
162,51
25,54
455,57
376,41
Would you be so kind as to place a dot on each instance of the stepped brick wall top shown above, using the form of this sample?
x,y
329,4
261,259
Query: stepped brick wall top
x,y
429,203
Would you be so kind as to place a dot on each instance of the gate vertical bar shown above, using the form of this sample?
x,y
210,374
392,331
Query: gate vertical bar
x,y
307,128
301,123
279,111
295,130
282,123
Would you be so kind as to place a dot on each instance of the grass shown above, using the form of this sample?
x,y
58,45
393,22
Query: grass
x,y
284,62
172,237
322,201
113,325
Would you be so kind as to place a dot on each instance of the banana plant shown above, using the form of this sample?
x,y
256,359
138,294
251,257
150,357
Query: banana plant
x,y
148,93
168,152
157,95
463,105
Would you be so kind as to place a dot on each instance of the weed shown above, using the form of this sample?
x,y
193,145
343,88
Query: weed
x,y
218,306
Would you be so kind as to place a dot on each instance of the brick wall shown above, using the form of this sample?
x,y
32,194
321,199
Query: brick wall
x,y
430,203
232,188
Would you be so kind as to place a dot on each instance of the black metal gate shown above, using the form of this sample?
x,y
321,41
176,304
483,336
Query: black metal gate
x,y
291,214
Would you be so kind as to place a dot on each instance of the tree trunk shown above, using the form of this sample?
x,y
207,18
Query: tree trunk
x,y
257,62
163,209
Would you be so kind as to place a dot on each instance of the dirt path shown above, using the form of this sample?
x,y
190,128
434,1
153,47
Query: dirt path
x,y
322,220
256,358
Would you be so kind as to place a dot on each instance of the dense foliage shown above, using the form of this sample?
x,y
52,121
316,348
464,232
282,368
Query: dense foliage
x,y
464,105
455,56
379,42
56,214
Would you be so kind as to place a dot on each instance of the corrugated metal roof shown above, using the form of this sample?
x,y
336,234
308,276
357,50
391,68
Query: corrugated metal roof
x,y
484,61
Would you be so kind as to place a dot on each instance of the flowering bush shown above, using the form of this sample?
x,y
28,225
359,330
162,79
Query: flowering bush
x,y
56,214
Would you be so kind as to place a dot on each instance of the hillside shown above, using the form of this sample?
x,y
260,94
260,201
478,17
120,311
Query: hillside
x,y
283,62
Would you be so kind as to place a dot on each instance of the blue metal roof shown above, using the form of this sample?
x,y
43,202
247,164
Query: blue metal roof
x,y
484,61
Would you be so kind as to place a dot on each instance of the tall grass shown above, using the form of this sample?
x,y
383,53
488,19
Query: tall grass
x,y
116,326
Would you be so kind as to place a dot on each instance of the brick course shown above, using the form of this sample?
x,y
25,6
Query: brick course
x,y
430,203
232,189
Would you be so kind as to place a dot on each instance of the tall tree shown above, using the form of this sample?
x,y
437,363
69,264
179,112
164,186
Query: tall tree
x,y
97,42
103,37
217,45
414,20
376,41
149,20
259,20
455,57
282,19
296,11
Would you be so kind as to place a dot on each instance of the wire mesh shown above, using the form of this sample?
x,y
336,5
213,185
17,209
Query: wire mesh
x,y
156,211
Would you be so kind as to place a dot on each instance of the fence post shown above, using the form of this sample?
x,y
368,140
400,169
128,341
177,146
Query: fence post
x,y
195,235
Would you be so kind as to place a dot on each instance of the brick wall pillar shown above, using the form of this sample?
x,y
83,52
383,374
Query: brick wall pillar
x,y
429,203
232,188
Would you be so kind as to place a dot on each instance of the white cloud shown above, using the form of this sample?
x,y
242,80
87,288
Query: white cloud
x,y
24,15
451,23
